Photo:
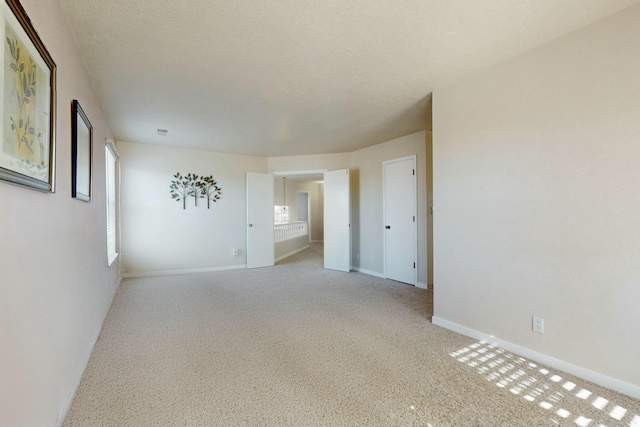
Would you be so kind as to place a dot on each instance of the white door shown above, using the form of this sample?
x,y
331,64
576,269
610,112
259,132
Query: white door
x,y
337,214
400,229
260,246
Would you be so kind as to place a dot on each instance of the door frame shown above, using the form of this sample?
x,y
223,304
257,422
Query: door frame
x,y
415,214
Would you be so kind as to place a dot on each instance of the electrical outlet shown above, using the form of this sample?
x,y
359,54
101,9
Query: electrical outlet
x,y
538,324
235,251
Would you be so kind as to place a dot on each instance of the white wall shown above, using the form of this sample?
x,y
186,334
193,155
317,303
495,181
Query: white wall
x,y
55,286
286,248
537,199
366,201
309,163
157,234
316,196
303,206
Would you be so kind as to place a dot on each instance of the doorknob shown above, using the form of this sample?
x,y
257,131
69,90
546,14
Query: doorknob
x,y
388,227
250,225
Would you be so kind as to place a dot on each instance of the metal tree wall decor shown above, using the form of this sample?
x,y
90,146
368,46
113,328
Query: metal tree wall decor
x,y
198,187
210,190
194,183
180,189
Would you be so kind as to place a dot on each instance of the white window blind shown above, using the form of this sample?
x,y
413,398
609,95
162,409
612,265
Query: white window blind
x,y
111,158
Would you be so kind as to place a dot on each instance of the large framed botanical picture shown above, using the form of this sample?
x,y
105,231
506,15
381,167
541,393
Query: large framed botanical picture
x,y
27,102
81,143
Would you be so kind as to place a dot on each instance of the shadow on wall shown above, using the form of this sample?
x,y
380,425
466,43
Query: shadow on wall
x,y
413,119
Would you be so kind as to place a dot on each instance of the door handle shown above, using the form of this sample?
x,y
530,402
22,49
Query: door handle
x,y
250,225
388,227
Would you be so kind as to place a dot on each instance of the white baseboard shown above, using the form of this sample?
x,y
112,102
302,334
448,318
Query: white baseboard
x,y
367,272
316,241
421,285
280,258
66,405
587,374
183,271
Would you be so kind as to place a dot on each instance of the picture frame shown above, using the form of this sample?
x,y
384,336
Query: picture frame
x,y
81,153
27,103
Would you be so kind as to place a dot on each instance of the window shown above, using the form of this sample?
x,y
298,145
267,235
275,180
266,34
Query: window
x,y
111,159
280,214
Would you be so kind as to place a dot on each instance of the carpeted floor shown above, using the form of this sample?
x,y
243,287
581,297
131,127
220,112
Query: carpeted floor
x,y
297,345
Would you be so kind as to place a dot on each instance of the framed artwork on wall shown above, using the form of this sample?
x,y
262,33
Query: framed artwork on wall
x,y
81,147
27,103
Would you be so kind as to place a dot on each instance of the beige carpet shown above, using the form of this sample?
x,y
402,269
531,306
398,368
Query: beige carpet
x,y
297,345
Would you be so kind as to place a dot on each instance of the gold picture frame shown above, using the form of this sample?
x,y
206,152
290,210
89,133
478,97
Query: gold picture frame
x,y
27,103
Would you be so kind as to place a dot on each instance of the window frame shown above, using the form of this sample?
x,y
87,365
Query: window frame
x,y
112,194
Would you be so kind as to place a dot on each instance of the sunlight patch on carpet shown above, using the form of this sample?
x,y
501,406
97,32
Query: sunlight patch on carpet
x,y
539,385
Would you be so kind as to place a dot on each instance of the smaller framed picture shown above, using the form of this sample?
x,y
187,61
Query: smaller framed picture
x,y
81,147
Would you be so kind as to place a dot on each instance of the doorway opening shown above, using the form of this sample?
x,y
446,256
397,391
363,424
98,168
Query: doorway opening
x,y
300,196
330,227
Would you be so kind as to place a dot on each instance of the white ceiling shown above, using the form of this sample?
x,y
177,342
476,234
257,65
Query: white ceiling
x,y
288,77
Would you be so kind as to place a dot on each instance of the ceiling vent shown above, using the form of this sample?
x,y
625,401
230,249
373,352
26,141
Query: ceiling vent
x,y
163,132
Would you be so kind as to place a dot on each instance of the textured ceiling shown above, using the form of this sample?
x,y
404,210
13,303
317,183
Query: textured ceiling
x,y
292,77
